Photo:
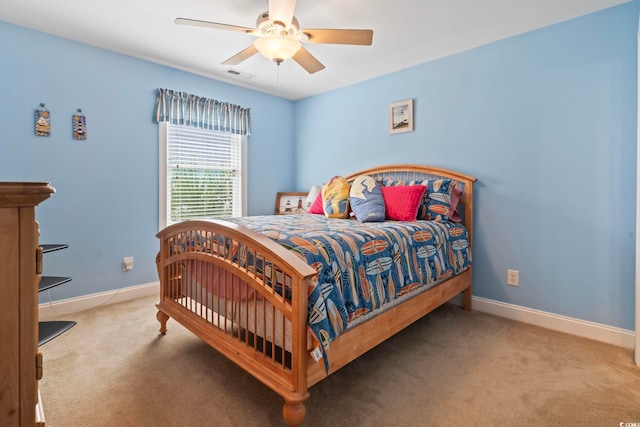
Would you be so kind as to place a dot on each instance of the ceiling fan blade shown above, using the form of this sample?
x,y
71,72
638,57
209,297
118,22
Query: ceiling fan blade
x,y
241,56
282,11
357,37
213,25
307,61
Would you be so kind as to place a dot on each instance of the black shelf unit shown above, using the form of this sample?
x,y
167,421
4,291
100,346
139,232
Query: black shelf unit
x,y
53,247
48,330
48,282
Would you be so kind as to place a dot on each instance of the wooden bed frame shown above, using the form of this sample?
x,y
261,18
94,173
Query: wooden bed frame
x,y
290,374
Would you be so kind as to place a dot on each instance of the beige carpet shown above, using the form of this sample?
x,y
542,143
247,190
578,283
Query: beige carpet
x,y
451,368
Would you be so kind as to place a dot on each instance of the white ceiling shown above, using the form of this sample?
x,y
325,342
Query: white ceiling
x,y
406,33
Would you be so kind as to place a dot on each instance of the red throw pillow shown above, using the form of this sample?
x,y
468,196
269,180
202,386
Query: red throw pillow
x,y
402,202
316,207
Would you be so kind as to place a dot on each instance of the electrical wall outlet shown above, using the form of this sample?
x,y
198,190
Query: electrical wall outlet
x,y
513,277
127,263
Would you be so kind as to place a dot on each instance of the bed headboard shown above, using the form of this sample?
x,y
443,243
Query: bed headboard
x,y
409,172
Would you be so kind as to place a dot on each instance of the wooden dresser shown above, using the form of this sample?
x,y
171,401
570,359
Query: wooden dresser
x,y
20,268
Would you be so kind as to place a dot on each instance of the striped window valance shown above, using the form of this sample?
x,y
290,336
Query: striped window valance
x,y
185,109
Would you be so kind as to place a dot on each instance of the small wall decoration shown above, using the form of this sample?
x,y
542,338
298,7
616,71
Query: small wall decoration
x,y
79,125
291,203
42,121
401,116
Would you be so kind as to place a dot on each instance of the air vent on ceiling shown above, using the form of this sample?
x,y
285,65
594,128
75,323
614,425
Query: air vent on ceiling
x,y
240,74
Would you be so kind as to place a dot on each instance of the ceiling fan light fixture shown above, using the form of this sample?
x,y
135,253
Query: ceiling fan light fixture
x,y
277,48
279,36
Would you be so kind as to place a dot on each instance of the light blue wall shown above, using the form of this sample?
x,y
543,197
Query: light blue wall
x,y
106,201
545,120
547,123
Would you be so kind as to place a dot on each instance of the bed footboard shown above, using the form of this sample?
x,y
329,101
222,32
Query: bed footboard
x,y
233,287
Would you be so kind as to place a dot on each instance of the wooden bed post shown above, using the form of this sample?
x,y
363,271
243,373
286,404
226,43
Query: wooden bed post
x,y
468,222
160,315
294,412
162,318
466,302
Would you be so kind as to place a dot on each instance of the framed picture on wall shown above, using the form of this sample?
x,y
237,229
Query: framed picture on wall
x,y
401,116
291,203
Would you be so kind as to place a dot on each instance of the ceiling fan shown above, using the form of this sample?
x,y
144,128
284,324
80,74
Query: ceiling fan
x,y
280,37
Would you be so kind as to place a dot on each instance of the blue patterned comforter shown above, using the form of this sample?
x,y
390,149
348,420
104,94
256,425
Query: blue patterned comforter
x,y
363,266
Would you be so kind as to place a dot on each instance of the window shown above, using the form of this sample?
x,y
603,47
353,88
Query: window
x,y
202,174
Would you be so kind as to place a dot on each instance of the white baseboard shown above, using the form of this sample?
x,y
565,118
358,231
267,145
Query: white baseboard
x,y
72,305
595,331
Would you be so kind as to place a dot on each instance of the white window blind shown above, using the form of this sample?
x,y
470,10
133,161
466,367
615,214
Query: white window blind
x,y
203,174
